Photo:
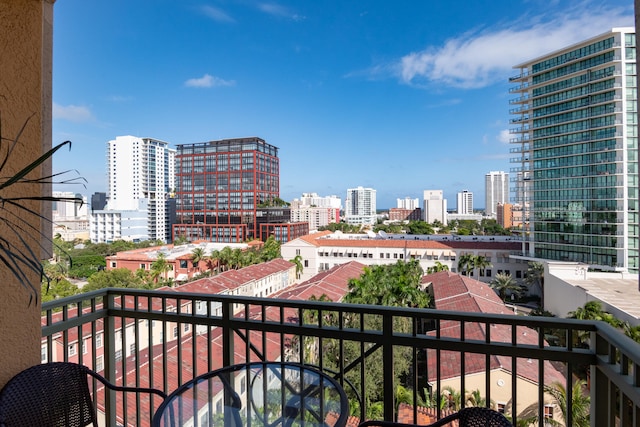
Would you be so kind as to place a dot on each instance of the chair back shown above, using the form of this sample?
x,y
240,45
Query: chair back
x,y
482,417
52,394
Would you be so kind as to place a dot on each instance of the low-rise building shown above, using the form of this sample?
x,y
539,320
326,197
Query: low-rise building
x,y
324,250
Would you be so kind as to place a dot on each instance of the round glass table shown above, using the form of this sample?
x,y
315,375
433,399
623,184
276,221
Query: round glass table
x,y
256,394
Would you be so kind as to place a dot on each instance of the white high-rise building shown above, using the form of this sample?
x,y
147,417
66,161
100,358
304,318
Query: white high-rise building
x,y
360,206
408,203
465,203
142,168
435,206
496,188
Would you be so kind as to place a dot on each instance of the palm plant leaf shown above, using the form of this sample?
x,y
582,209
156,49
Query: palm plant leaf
x,y
17,253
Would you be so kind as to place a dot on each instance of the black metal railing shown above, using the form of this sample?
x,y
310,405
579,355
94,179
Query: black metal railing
x,y
442,360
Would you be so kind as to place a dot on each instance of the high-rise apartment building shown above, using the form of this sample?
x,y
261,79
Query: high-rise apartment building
x,y
505,215
435,206
496,190
576,127
465,203
226,191
408,203
312,199
142,169
360,206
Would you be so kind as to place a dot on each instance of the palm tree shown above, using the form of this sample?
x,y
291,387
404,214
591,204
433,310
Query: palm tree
x,y
224,258
213,261
297,260
535,278
160,267
197,255
580,403
465,264
592,310
437,267
502,283
480,262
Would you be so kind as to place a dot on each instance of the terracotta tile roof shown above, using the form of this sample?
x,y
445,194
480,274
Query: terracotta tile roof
x,y
333,283
313,238
425,416
455,292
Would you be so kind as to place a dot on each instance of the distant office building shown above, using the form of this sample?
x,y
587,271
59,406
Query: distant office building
x,y
360,206
315,216
70,218
408,203
400,214
312,199
496,188
226,190
98,201
465,203
505,215
435,206
576,132
68,209
142,168
110,225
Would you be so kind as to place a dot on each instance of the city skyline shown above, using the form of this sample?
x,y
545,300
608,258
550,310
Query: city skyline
x,y
406,79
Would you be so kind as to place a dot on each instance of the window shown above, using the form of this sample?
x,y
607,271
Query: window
x,y
548,411
118,355
143,266
306,263
297,251
175,332
518,274
85,345
501,407
132,348
204,418
113,264
43,354
99,364
183,263
72,349
242,385
186,327
488,273
219,406
395,256
98,340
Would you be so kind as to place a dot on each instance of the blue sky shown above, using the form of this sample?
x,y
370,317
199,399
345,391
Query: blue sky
x,y
397,95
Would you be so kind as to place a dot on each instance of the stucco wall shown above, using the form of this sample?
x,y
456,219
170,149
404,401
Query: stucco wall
x,y
25,91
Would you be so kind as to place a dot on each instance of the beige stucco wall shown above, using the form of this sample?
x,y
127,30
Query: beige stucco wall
x,y
501,390
25,91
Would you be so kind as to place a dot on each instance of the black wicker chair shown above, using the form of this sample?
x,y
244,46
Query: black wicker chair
x,y
54,394
467,417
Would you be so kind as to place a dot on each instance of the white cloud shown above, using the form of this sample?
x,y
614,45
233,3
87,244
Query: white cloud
x,y
208,81
480,58
217,14
504,136
279,11
72,113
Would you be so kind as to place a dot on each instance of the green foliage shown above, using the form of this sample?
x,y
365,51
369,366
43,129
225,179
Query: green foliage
x,y
116,278
437,267
504,283
86,265
341,226
419,227
390,285
580,403
58,289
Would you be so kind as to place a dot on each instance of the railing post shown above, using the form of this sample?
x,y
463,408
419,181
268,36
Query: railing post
x,y
109,335
227,334
387,367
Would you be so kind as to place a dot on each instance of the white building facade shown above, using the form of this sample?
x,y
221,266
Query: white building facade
x,y
408,203
360,206
142,168
435,206
496,189
465,203
313,199
107,226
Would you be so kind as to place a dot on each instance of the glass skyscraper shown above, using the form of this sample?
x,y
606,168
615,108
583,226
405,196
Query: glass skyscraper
x,y
576,140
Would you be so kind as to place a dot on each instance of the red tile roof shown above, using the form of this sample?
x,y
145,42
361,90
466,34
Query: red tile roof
x,y
455,292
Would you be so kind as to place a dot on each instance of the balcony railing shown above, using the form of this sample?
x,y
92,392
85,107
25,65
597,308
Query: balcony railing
x,y
163,339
